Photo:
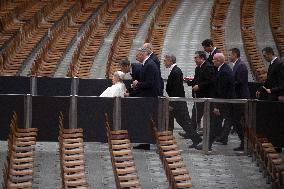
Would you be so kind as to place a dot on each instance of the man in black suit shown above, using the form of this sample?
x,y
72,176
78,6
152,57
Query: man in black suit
x,y
134,70
273,76
202,84
223,88
208,47
154,57
149,84
240,74
179,109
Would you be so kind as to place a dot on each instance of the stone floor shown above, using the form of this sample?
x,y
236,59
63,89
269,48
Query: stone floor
x,y
222,169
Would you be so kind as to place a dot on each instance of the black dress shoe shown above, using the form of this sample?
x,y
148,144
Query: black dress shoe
x,y
240,148
222,141
194,145
142,147
184,135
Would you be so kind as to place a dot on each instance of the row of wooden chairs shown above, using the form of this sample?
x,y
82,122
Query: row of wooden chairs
x,y
125,35
93,38
276,18
122,158
19,169
50,54
268,159
249,40
170,155
8,6
218,18
47,61
72,159
25,41
159,24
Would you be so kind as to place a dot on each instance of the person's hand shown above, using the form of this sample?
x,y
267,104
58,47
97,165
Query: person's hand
x,y
134,83
188,78
257,94
126,94
267,90
216,111
195,88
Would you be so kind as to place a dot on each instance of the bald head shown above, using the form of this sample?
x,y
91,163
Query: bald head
x,y
149,47
218,59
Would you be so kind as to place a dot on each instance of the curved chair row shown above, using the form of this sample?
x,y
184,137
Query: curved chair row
x,y
268,159
93,38
249,40
124,37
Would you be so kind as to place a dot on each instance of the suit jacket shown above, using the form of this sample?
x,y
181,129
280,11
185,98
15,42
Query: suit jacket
x,y
240,73
174,85
273,79
224,88
135,75
149,84
224,83
204,78
136,68
279,90
211,55
158,63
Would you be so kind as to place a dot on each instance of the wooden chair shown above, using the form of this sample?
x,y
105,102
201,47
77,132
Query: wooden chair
x,y
122,158
170,155
72,160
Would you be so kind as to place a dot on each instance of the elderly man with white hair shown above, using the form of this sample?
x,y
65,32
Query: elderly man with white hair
x,y
223,88
118,88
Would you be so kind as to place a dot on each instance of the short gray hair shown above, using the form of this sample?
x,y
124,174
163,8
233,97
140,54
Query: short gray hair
x,y
171,57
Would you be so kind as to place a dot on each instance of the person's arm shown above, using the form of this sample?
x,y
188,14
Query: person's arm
x,y
149,77
208,78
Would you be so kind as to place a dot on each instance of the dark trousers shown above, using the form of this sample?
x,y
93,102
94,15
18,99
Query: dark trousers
x,y
197,113
237,121
216,121
181,114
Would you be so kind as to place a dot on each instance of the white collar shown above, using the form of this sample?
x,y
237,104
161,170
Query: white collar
x,y
130,69
235,62
201,64
272,61
213,50
145,60
220,67
172,66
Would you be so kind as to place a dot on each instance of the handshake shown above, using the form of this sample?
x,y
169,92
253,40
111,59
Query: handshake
x,y
188,78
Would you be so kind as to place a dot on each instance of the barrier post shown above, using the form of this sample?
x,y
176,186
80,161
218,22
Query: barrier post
x,y
206,127
73,103
28,111
117,113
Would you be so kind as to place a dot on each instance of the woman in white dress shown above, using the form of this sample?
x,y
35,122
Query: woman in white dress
x,y
118,88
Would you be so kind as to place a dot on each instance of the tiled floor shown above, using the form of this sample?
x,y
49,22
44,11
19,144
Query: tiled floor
x,y
222,169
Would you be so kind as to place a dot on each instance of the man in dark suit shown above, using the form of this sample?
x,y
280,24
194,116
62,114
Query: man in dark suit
x,y
179,109
154,57
208,47
240,74
202,84
149,84
273,76
134,70
223,88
